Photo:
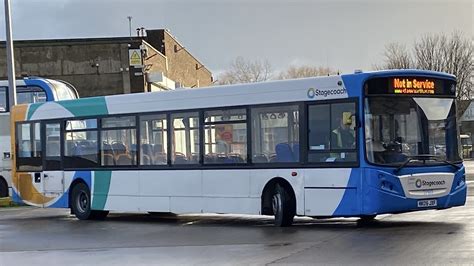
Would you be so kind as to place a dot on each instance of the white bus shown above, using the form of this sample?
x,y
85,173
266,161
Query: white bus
x,y
353,145
29,90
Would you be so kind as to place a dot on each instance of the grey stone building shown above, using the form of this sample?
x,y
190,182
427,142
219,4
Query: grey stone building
x,y
106,66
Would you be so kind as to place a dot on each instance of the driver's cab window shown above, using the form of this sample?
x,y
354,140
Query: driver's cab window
x,y
30,95
332,133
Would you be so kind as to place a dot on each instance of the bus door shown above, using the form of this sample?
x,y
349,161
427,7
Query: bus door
x,y
52,175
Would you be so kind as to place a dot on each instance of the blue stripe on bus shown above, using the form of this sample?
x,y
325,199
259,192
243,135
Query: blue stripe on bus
x,y
349,204
16,198
43,85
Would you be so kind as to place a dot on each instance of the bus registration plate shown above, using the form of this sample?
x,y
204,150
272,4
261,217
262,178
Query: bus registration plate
x,y
427,203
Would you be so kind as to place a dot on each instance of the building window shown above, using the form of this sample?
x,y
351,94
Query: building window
x,y
275,134
185,138
225,136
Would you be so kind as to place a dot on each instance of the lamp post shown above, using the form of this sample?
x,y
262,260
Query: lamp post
x,y
10,56
130,25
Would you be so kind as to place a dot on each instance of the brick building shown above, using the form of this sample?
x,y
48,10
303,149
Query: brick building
x,y
106,66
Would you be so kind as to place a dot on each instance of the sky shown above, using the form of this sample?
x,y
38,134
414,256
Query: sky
x,y
341,34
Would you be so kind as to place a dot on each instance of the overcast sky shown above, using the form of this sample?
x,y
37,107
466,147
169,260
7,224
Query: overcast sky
x,y
344,35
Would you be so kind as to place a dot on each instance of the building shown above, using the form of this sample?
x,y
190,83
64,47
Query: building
x,y
106,66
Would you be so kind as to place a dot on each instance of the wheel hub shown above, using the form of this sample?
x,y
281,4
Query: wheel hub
x,y
83,202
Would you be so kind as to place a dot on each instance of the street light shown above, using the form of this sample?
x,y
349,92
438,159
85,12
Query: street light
x,y
10,56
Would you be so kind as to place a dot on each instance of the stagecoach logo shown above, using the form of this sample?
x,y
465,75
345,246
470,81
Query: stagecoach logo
x,y
418,183
423,183
312,92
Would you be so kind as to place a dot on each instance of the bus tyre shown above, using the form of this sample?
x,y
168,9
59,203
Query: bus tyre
x,y
99,215
81,204
282,205
3,188
366,220
81,201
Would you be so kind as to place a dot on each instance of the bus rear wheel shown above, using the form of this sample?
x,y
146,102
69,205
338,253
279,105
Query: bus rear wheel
x,y
3,188
81,204
282,204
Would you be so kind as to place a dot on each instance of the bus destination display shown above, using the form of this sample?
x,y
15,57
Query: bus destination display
x,y
410,86
413,86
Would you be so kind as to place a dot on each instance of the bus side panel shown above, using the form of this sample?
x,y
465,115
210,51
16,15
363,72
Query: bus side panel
x,y
331,192
116,190
260,178
228,191
171,191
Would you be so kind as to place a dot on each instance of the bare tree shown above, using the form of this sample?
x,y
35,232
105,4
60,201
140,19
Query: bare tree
x,y
396,56
452,55
305,71
439,52
245,71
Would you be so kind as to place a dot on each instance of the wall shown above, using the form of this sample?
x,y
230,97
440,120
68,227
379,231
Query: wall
x,y
94,68
183,67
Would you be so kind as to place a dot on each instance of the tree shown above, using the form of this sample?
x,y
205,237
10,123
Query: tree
x,y
305,71
245,71
396,56
451,54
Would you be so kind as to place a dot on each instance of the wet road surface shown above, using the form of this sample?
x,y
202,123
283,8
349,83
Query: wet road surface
x,y
53,237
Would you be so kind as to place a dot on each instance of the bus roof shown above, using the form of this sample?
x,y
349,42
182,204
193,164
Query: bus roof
x,y
296,90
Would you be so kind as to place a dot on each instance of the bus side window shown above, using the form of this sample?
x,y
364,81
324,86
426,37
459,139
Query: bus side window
x,y
31,95
331,136
275,134
3,99
81,147
29,147
185,138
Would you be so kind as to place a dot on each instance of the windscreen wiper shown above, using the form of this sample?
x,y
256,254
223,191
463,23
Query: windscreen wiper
x,y
424,158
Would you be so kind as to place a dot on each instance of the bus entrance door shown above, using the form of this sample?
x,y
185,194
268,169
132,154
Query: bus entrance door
x,y
53,177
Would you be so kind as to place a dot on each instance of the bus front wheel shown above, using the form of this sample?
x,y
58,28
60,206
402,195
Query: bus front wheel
x,y
81,204
282,207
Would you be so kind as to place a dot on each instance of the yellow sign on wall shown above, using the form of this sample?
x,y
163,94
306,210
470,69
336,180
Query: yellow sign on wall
x,y
135,57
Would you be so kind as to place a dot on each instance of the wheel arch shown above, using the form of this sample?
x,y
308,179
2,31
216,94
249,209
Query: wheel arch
x,y
267,193
3,181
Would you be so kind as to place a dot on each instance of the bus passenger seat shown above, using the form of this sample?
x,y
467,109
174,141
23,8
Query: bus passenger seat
x,y
108,159
284,153
160,158
124,159
260,158
296,151
145,160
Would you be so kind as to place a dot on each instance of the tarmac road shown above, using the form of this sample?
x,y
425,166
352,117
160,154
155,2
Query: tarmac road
x,y
52,237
